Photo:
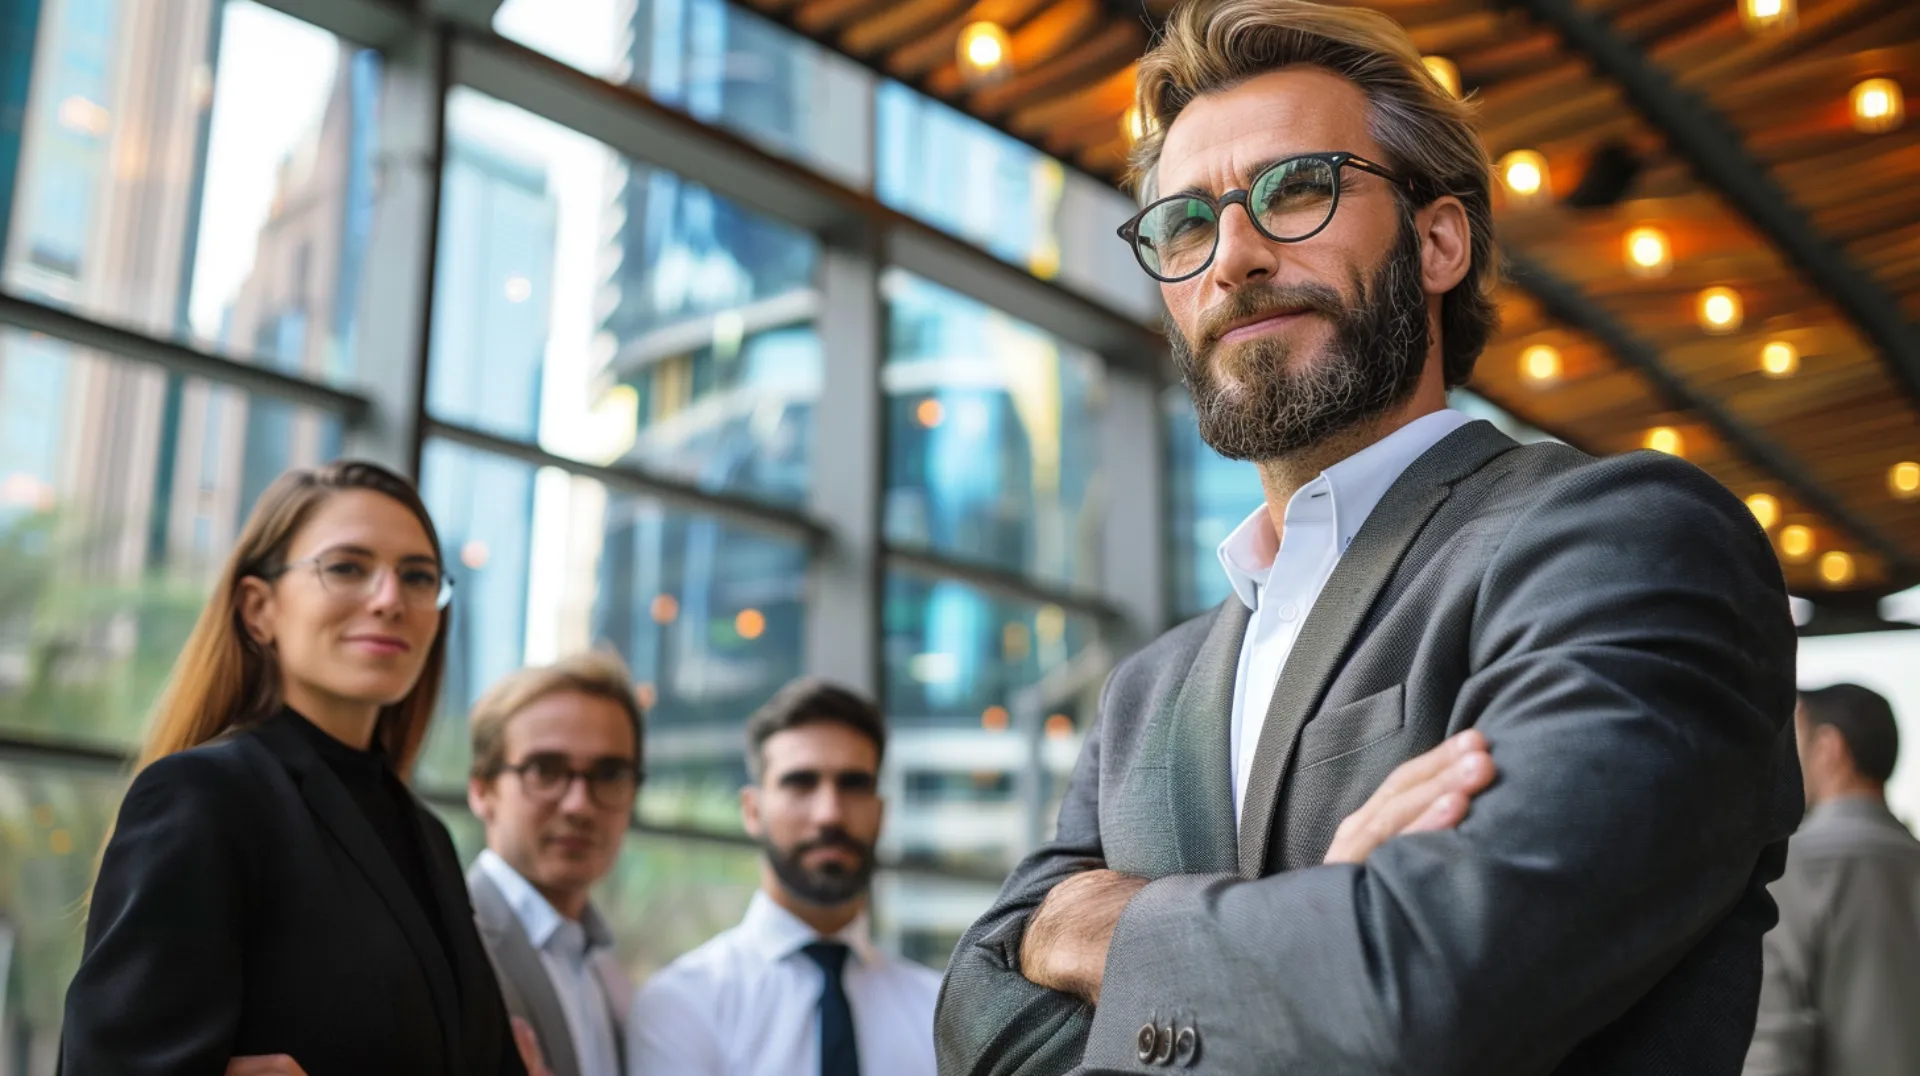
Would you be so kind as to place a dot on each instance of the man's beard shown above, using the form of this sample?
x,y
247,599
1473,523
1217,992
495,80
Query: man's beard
x,y
1283,402
826,886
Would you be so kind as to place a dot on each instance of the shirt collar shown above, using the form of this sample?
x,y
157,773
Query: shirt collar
x,y
536,915
774,933
1353,487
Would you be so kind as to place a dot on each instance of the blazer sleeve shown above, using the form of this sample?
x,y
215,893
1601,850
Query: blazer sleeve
x,y
159,986
1631,664
990,1020
1786,1034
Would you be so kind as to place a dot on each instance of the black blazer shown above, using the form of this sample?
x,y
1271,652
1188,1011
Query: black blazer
x,y
246,906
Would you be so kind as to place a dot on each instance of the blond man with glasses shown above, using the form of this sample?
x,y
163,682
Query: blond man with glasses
x,y
556,765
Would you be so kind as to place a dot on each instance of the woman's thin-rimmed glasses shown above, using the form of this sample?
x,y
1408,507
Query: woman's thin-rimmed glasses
x,y
1175,237
352,576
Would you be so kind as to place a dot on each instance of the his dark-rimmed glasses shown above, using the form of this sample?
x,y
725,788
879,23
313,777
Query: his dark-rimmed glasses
x,y
547,777
1288,201
352,574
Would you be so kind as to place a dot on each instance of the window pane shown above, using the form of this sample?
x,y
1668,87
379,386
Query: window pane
x,y
993,436
985,702
707,615
198,171
122,487
616,312
921,916
52,822
1208,495
967,178
719,63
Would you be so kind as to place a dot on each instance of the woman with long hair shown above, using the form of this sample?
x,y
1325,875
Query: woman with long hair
x,y
273,897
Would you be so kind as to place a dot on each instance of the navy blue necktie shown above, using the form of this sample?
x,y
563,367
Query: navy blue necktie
x,y
838,1057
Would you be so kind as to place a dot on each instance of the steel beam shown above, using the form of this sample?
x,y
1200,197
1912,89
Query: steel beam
x,y
258,379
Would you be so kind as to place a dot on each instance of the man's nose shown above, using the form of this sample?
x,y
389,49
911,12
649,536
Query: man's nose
x,y
1242,254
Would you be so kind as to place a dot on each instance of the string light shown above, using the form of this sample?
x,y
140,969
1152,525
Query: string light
x,y
1541,364
1796,543
1666,439
1524,173
1904,480
1779,359
983,51
1764,15
1720,311
1649,254
1444,72
1765,508
1836,568
1879,105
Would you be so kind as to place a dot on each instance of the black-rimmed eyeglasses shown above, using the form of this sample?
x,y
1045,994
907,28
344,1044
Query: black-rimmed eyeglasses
x,y
611,782
1290,200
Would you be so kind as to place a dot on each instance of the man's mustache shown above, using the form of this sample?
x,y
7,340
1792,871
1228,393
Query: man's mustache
x,y
1255,300
831,839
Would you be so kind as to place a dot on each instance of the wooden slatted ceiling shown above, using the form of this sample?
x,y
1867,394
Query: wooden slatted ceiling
x,y
1842,420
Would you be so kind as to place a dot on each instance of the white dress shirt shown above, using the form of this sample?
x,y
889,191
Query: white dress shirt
x,y
747,1003
570,952
1281,587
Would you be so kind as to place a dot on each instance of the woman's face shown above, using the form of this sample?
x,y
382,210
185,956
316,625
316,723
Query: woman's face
x,y
353,616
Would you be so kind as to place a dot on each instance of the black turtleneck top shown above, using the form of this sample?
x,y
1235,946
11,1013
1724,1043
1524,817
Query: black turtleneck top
x,y
388,807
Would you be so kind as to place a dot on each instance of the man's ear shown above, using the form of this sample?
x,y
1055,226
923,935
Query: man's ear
x,y
1446,244
750,812
480,795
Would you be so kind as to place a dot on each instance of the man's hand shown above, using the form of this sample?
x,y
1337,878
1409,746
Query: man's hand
x,y
1425,793
1065,944
274,1065
528,1043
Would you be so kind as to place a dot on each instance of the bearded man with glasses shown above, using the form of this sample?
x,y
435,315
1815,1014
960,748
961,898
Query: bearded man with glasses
x,y
556,766
1284,848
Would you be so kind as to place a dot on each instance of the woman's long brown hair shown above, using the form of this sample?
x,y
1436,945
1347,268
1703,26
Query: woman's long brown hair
x,y
224,680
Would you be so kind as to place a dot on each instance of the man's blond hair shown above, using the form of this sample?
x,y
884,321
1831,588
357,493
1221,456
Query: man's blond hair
x,y
1428,136
596,673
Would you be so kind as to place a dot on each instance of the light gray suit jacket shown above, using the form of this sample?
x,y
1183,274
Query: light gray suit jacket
x,y
526,986
1843,966
1619,630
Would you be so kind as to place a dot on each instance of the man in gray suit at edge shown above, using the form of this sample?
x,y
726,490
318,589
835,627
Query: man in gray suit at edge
x,y
1318,215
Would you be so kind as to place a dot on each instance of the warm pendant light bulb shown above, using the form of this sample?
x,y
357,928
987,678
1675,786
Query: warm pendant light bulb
x,y
1649,254
1720,310
1879,105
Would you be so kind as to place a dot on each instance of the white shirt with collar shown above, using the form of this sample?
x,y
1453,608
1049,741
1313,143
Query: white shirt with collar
x,y
747,1003
1281,587
570,951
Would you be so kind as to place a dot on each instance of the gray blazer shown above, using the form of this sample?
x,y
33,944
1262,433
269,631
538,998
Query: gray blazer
x,y
1619,630
525,985
1843,966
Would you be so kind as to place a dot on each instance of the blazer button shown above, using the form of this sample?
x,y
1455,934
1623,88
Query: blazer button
x,y
1163,1046
1144,1043
1186,1046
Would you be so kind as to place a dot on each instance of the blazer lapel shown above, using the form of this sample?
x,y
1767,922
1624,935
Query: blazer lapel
x,y
520,962
330,802
1330,628
1200,777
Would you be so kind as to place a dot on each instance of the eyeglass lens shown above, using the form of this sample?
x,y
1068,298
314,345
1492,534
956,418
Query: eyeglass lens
x,y
610,782
1289,201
